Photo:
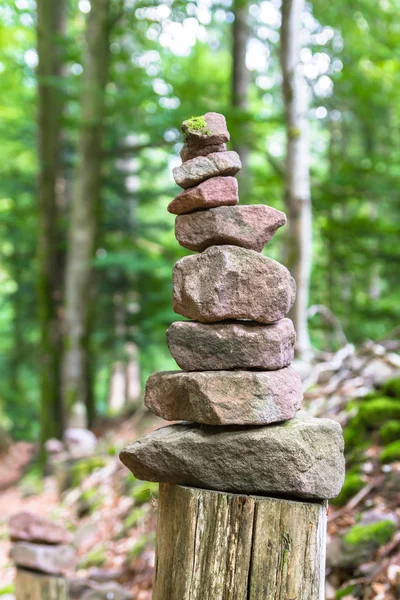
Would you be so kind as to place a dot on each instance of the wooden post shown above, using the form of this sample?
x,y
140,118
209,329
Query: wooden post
x,y
31,585
218,546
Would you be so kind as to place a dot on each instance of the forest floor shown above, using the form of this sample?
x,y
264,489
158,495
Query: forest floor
x,y
113,516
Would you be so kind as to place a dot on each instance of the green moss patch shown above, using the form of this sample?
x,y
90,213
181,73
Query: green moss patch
x,y
83,468
376,412
392,387
94,558
196,125
373,534
352,484
391,453
390,431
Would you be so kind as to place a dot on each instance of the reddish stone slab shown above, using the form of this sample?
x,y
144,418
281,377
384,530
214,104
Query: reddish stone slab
x,y
212,192
247,226
199,169
28,527
188,152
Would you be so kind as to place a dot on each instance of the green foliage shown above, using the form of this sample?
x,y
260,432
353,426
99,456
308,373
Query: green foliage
x,y
8,589
390,431
345,591
143,491
391,453
353,483
392,387
376,412
82,468
139,546
373,534
96,557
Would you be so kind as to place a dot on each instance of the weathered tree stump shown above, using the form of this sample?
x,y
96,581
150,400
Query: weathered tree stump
x,y
218,546
30,585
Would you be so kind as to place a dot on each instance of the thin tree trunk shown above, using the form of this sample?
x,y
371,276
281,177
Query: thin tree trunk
x,y
240,73
50,24
77,384
297,177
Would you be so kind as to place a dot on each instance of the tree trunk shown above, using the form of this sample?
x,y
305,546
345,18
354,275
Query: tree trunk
x,y
30,585
240,76
77,384
297,175
50,23
220,546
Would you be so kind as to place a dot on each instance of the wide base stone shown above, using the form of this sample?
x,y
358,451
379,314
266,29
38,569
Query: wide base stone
x,y
247,226
225,397
198,169
301,458
231,345
227,282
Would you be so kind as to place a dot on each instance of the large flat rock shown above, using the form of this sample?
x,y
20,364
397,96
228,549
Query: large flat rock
x,y
231,345
225,397
248,226
209,129
301,458
217,191
228,282
47,559
199,169
29,527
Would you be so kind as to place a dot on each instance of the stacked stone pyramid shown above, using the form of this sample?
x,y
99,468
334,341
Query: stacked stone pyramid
x,y
236,393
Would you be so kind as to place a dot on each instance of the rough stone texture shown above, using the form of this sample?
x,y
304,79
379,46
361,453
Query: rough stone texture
x,y
247,226
225,397
47,559
188,152
212,192
28,527
299,458
198,169
227,282
216,133
236,345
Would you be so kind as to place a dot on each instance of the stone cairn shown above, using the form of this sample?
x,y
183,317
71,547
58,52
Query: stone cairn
x,y
236,393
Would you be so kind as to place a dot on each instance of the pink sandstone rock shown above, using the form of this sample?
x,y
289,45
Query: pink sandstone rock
x,y
228,282
225,397
248,226
215,132
28,527
231,345
212,192
47,559
188,152
199,169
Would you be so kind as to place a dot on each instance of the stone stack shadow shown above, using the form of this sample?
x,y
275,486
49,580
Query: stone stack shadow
x,y
237,392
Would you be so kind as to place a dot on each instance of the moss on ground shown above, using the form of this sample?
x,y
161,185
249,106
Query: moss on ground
x,y
392,387
373,534
83,468
390,431
94,558
391,453
352,484
376,412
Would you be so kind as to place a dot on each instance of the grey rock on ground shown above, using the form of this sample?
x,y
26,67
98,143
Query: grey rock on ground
x,y
212,192
80,442
301,458
225,397
248,226
188,152
28,527
227,282
199,169
47,559
231,345
215,131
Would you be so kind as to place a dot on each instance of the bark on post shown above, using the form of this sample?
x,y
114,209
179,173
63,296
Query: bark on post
x,y
297,172
30,585
217,545
84,214
50,22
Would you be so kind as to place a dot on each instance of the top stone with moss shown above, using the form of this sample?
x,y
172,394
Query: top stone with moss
x,y
206,130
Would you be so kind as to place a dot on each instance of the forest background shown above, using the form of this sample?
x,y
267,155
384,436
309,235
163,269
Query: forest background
x,y
86,243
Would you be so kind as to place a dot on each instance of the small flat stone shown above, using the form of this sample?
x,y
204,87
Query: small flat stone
x,y
188,152
47,559
225,397
216,191
236,345
199,169
227,282
215,131
28,527
300,458
247,226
